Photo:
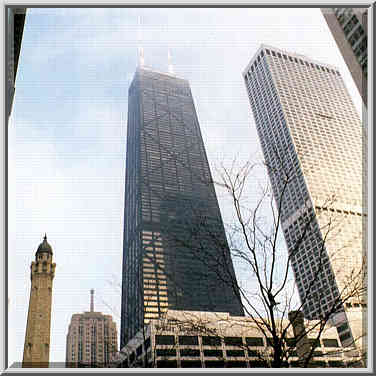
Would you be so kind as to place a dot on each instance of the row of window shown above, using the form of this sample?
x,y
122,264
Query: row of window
x,y
234,341
293,59
208,353
244,364
218,353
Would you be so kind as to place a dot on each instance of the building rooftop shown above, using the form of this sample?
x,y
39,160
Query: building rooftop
x,y
285,52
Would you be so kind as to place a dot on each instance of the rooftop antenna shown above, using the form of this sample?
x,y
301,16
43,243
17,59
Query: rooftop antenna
x,y
170,66
92,300
141,60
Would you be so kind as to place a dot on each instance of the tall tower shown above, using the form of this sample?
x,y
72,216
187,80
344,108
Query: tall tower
x,y
311,134
175,251
37,339
91,339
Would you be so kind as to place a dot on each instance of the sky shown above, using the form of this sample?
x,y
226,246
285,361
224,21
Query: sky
x,y
67,132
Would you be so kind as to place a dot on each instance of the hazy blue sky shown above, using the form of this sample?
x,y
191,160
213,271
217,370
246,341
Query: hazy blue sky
x,y
68,131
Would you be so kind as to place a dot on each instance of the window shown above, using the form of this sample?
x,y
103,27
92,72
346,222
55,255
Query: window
x,y
235,352
189,352
344,336
214,364
211,341
254,341
253,353
165,340
236,364
214,353
317,364
336,363
191,364
233,341
343,327
258,364
167,364
166,352
188,340
330,342
295,364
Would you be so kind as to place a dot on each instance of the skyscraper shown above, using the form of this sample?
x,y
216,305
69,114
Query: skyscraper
x,y
349,29
37,338
311,137
16,22
91,339
175,249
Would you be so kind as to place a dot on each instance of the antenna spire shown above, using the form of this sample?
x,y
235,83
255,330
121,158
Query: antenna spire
x,y
92,300
170,66
141,60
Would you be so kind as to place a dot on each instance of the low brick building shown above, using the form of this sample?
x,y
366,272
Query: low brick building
x,y
189,339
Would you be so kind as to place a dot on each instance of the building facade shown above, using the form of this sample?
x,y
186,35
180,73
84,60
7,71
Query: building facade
x,y
311,137
349,29
16,22
91,339
37,338
174,239
188,339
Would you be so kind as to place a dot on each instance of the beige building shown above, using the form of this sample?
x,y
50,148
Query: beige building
x,y
349,29
191,339
311,133
37,339
91,339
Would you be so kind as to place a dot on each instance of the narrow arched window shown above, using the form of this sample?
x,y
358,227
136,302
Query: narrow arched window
x,y
28,349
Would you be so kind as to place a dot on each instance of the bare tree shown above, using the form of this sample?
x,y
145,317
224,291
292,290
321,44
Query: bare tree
x,y
255,240
257,246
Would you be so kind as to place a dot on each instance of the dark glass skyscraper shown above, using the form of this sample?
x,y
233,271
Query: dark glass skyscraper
x,y
175,251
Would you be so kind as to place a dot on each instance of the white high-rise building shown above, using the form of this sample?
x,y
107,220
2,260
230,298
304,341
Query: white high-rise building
x,y
311,137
